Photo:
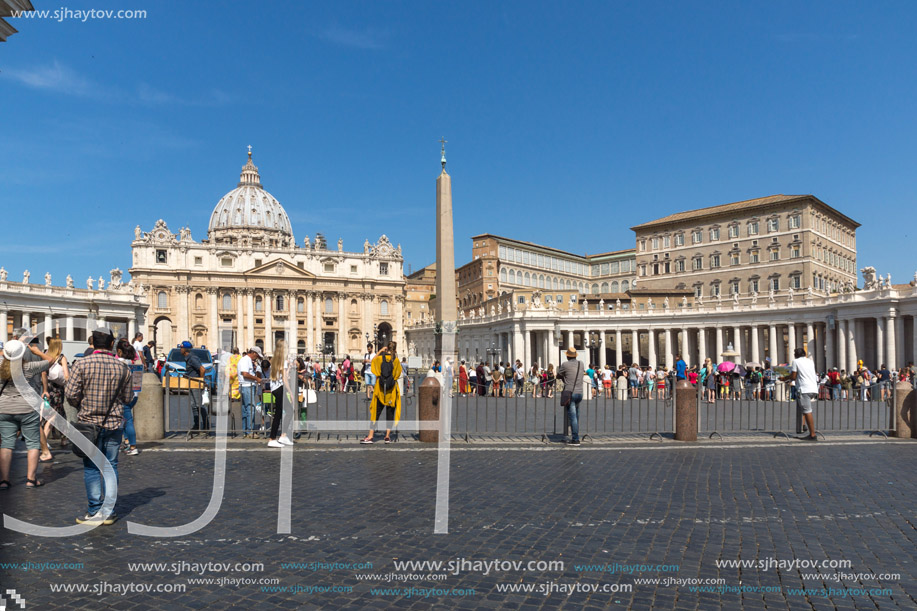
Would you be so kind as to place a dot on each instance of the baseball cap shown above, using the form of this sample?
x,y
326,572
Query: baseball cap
x,y
256,350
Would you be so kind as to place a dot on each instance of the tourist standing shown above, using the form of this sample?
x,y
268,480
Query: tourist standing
x,y
57,377
278,378
369,380
802,372
99,385
194,372
571,374
17,415
249,383
128,356
387,369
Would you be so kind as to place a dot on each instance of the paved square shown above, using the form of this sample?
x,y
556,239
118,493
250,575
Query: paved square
x,y
642,524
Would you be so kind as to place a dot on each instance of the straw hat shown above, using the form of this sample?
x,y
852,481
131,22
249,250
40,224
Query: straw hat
x,y
571,352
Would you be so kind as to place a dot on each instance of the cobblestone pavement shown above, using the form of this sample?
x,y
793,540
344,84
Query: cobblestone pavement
x,y
641,523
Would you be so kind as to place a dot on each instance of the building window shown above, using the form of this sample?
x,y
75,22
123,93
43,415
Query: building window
x,y
226,261
614,286
775,284
227,301
198,260
279,302
604,287
679,239
697,263
329,267
259,304
665,242
696,236
655,243
383,269
699,290
522,299
715,289
595,289
733,231
773,225
753,286
503,275
162,300
198,302
714,261
775,254
794,252
625,286
753,228
734,258
353,269
797,281
754,256
794,222
300,305
383,308
257,262
329,305
714,234
680,265
160,256
734,287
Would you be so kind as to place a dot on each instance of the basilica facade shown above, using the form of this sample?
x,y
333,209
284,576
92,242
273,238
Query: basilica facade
x,y
250,284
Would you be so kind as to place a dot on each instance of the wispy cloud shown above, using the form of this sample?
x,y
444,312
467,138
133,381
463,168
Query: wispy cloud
x,y
367,38
61,79
56,78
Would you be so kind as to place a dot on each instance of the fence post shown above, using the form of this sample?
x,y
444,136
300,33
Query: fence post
x,y
428,407
149,410
685,411
905,411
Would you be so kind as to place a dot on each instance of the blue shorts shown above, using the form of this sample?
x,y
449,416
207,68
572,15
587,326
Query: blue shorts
x,y
369,378
632,383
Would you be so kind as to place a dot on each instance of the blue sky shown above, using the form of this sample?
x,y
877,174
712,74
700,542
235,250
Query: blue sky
x,y
567,123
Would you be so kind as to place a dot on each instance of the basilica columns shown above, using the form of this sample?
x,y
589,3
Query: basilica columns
x,y
292,324
310,322
214,336
342,322
268,321
719,345
755,347
890,357
841,344
668,347
635,346
240,325
250,308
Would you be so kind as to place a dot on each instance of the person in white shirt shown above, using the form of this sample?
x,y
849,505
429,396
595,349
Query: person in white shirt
x,y
138,348
249,382
369,380
278,378
802,374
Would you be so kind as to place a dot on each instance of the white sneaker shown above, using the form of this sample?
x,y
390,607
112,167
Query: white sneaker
x,y
273,443
285,440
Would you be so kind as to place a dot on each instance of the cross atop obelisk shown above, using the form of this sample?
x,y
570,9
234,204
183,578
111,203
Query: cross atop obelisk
x,y
443,160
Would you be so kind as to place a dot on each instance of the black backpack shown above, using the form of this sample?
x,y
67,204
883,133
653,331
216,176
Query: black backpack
x,y
386,375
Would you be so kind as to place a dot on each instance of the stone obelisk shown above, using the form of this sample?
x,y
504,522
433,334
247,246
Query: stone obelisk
x,y
446,313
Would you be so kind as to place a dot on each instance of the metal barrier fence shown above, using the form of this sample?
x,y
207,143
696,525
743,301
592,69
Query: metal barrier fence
x,y
776,413
614,412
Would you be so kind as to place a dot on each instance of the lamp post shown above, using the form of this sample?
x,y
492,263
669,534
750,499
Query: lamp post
x,y
493,351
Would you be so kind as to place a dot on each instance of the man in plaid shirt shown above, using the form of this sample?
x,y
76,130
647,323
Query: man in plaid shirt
x,y
99,385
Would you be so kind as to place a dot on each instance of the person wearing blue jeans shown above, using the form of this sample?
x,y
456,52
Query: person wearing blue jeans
x,y
109,442
129,432
249,383
248,407
571,374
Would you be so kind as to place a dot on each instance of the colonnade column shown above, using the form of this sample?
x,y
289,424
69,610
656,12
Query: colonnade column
x,y
852,333
791,343
683,347
49,327
829,347
737,342
900,345
755,347
772,344
214,335
240,324
131,328
651,347
719,345
26,321
841,344
602,345
519,344
268,321
890,346
4,326
527,360
293,324
250,306
701,345
668,347
69,328
635,346
619,354
342,324
811,352
820,346
310,320
880,341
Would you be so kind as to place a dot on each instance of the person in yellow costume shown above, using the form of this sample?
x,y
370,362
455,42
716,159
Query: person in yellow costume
x,y
234,374
389,400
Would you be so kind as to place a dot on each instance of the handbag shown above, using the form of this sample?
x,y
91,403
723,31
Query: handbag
x,y
93,431
566,396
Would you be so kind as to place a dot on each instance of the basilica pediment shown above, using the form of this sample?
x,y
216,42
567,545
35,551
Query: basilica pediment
x,y
278,268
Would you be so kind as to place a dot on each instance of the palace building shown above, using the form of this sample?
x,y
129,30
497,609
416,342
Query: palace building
x,y
249,284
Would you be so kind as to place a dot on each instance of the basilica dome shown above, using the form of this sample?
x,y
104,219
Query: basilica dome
x,y
250,216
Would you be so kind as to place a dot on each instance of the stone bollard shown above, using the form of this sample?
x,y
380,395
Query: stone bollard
x,y
905,411
685,411
428,407
148,412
